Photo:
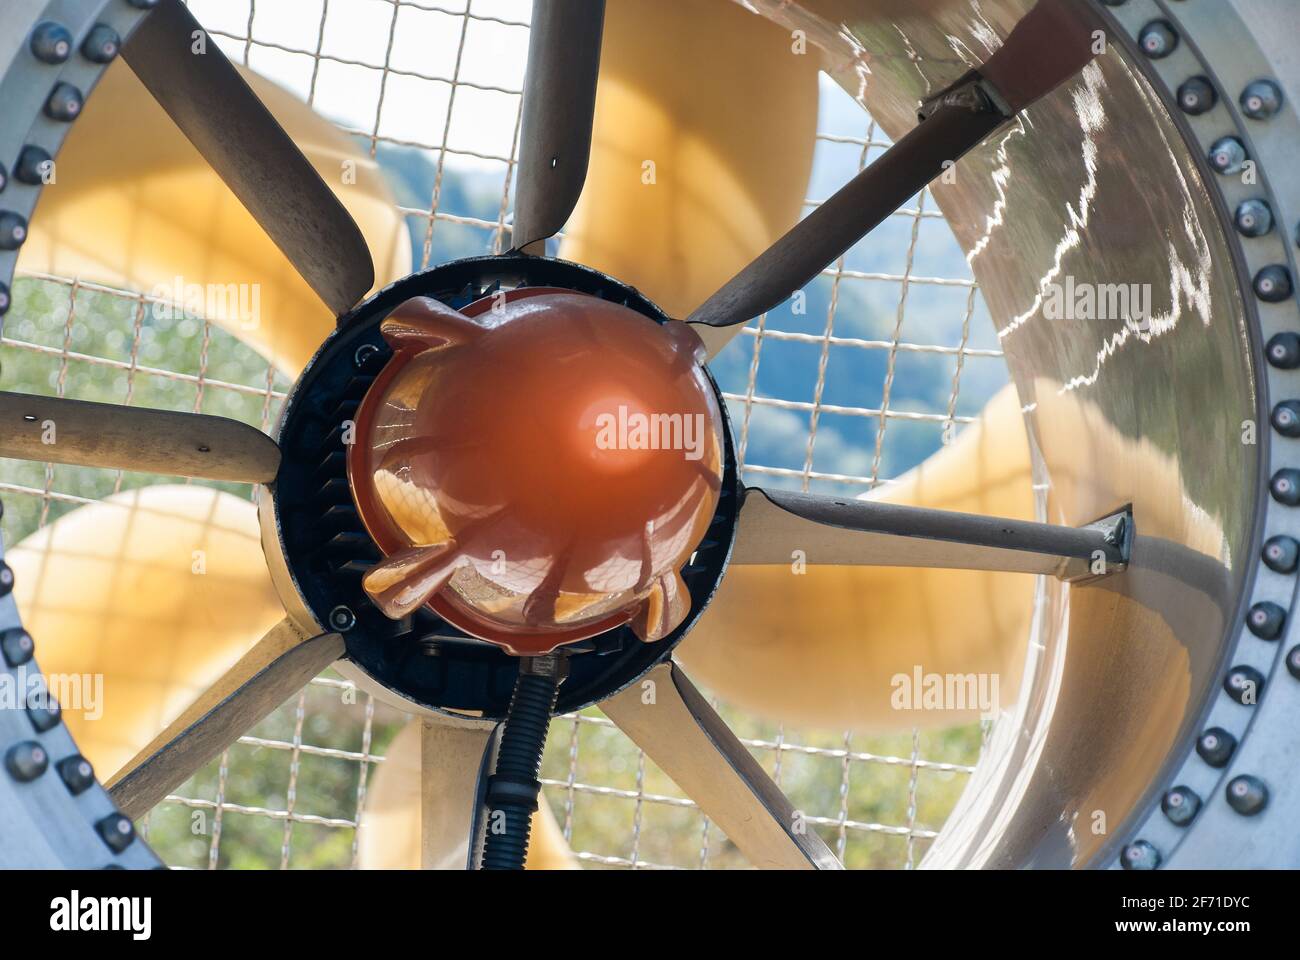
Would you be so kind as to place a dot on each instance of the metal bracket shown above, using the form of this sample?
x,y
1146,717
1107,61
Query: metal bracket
x,y
1118,530
971,92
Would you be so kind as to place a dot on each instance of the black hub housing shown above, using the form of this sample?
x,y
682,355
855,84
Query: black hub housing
x,y
327,549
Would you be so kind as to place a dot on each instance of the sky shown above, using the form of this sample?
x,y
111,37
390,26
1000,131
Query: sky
x,y
424,42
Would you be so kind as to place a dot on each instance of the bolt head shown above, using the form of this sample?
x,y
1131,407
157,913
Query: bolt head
x,y
1266,620
1281,554
116,831
342,619
1227,155
42,710
1247,795
26,761
365,355
1139,855
51,42
13,230
1254,218
1261,99
1197,96
1283,351
1286,418
1215,746
1158,39
1273,283
1285,487
102,44
64,103
1244,684
77,773
16,647
1180,805
31,165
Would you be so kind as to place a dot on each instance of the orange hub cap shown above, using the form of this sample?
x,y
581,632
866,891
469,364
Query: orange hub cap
x,y
537,468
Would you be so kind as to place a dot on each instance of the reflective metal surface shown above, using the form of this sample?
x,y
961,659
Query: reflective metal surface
x,y
540,473
1139,401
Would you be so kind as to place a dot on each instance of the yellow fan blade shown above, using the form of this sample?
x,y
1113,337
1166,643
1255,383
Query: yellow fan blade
x,y
704,132
148,597
389,838
135,206
821,648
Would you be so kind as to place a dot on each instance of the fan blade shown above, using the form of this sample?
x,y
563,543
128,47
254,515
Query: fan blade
x,y
669,77
277,667
559,101
213,106
778,526
820,649
1051,44
171,589
454,759
447,783
161,222
58,430
844,219
1048,45
681,733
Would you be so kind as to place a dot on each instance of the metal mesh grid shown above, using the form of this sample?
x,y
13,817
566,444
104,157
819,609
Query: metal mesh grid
x,y
878,800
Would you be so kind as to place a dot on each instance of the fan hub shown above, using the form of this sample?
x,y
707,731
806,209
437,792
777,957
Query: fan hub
x,y
320,549
537,467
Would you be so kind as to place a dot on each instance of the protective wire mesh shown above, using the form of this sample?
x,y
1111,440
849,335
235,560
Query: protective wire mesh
x,y
899,312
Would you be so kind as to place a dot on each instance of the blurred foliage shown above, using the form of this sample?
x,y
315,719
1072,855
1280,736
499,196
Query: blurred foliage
x,y
52,325
864,795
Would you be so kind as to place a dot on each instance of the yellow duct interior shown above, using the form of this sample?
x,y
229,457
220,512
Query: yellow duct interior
x,y
705,125
822,648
